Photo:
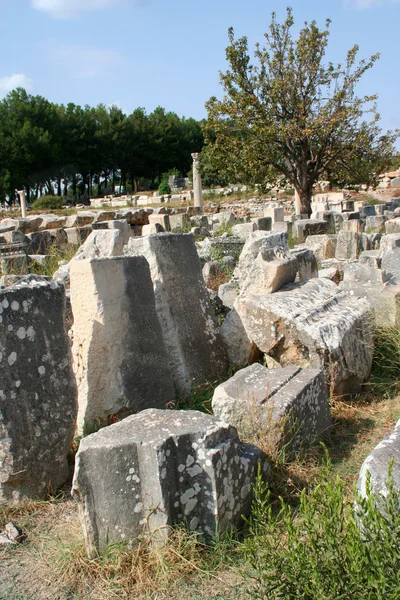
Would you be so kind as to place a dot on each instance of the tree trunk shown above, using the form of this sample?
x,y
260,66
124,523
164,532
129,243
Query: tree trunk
x,y
28,194
59,190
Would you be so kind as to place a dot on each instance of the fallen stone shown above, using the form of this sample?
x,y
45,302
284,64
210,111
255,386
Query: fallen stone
x,y
391,265
349,245
228,292
120,360
51,222
307,266
102,243
302,228
270,271
258,240
241,350
163,468
243,230
152,228
189,327
290,405
377,465
312,324
38,391
323,246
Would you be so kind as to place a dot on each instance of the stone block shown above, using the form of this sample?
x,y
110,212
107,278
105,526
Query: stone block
x,y
179,223
349,245
258,240
162,220
243,230
78,235
291,404
282,226
314,325
218,248
163,468
228,292
38,392
102,243
263,223
51,222
323,246
120,360
81,219
241,350
152,229
307,266
225,217
276,213
305,227
188,322
377,465
375,224
392,226
353,225
40,242
391,265
270,271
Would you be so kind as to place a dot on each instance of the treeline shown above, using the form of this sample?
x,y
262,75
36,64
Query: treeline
x,y
75,151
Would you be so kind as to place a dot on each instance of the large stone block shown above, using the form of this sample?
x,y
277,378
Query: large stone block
x,y
307,266
243,230
349,245
377,465
163,468
275,213
302,228
256,241
323,246
272,269
37,389
283,402
188,323
102,243
241,350
391,265
314,325
120,360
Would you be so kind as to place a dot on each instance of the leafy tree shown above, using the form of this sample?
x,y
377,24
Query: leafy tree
x,y
293,113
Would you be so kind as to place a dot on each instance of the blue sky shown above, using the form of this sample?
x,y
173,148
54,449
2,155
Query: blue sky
x,y
168,52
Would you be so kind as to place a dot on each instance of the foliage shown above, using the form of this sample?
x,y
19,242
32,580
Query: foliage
x,y
294,114
48,202
78,150
386,359
55,254
164,188
322,551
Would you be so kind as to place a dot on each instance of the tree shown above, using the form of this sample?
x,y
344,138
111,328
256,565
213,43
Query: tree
x,y
293,113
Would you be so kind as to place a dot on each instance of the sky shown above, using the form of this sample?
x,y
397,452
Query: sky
x,y
149,53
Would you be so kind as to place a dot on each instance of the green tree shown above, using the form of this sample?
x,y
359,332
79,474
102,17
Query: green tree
x,y
293,113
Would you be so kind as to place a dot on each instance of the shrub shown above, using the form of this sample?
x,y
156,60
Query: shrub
x,y
164,188
321,551
49,202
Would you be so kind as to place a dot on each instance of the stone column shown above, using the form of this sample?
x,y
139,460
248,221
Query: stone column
x,y
297,203
198,200
21,194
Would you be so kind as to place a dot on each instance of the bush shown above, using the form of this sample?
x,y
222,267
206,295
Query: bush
x,y
321,550
49,202
164,188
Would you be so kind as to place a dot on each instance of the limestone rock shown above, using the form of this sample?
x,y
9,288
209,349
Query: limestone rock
x,y
272,269
102,243
307,267
163,468
377,464
228,292
312,324
240,349
256,241
120,360
284,402
188,323
37,389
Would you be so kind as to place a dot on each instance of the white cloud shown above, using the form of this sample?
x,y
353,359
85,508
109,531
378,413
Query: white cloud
x,y
364,4
67,9
85,61
14,81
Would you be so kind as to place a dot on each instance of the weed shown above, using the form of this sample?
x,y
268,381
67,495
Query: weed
x,y
386,360
56,254
224,228
292,241
318,552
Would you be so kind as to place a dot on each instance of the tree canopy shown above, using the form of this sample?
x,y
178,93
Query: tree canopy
x,y
88,149
294,114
